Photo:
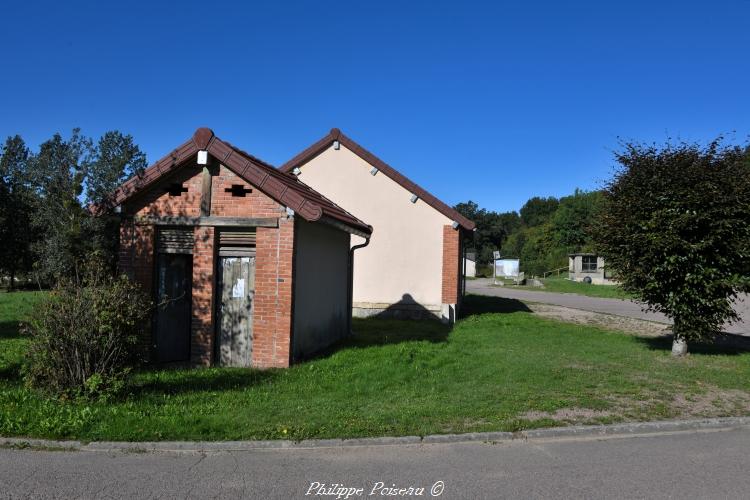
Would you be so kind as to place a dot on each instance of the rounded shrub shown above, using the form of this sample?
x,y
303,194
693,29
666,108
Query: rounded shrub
x,y
85,335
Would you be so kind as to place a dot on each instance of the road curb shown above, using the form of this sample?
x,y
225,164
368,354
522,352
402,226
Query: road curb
x,y
573,432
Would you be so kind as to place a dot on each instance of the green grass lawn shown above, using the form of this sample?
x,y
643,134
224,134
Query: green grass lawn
x,y
562,285
500,368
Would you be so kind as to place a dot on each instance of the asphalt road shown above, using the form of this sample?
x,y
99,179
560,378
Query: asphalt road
x,y
617,307
709,464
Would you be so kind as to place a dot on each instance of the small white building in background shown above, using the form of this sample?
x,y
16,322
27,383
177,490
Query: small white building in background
x,y
589,265
470,265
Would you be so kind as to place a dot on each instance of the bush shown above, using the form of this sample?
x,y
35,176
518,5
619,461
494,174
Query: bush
x,y
84,337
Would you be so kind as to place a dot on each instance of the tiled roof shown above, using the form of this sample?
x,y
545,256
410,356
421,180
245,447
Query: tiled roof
x,y
336,135
286,189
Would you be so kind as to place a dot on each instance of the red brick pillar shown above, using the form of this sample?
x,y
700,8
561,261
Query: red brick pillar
x,y
451,253
202,329
272,313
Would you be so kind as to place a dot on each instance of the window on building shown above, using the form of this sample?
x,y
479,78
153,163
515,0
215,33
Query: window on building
x,y
589,264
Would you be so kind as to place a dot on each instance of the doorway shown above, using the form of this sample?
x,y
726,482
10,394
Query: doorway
x,y
235,309
173,297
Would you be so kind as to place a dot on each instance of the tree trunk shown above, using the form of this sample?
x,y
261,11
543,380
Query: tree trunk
x,y
679,346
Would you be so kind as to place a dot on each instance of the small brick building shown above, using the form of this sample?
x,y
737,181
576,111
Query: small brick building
x,y
249,266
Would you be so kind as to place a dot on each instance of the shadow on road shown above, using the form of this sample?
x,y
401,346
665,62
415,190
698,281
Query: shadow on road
x,y
481,304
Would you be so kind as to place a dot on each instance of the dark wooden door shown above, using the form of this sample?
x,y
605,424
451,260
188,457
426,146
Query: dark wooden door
x,y
237,286
173,295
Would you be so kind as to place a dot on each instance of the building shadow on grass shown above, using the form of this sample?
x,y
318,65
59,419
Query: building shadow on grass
x,y
180,381
11,373
727,345
384,329
483,304
10,330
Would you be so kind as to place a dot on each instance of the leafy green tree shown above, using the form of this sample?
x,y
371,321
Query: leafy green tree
x,y
675,223
538,210
573,221
66,176
57,175
115,159
16,202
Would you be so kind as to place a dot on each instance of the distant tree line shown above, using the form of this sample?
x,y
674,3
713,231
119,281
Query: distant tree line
x,y
541,234
45,229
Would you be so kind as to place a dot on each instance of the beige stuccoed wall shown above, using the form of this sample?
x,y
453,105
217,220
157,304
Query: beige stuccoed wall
x,y
321,289
405,253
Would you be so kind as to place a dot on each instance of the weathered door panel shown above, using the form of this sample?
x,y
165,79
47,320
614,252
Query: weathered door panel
x,y
237,286
173,295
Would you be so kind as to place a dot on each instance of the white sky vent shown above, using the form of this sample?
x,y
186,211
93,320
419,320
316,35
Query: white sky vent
x,y
296,171
414,198
202,157
374,170
336,145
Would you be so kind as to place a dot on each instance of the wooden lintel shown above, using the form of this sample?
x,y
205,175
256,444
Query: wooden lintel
x,y
207,221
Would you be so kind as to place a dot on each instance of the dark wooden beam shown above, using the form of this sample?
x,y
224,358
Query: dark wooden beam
x,y
206,192
207,221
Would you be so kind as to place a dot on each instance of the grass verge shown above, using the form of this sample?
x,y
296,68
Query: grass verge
x,y
500,368
562,285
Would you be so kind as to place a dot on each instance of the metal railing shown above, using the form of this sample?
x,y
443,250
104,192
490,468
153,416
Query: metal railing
x,y
558,270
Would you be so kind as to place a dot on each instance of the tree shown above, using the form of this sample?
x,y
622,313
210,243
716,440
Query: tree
x,y
57,174
574,219
66,175
492,228
115,159
16,199
675,224
538,210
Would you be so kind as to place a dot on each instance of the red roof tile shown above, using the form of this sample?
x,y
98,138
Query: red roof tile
x,y
286,189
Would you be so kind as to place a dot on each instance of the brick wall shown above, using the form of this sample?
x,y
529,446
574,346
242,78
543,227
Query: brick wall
x,y
451,251
253,204
157,202
202,324
136,260
272,316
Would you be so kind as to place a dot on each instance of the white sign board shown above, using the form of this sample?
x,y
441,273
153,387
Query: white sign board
x,y
506,268
496,254
238,289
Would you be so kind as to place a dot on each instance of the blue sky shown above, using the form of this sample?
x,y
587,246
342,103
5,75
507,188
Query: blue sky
x,y
490,101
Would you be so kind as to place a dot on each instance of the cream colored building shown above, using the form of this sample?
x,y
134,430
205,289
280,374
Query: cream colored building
x,y
591,266
412,264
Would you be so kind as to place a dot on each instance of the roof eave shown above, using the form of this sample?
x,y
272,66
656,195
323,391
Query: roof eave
x,y
336,135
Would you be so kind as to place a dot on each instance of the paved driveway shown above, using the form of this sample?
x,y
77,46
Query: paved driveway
x,y
617,307
685,465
